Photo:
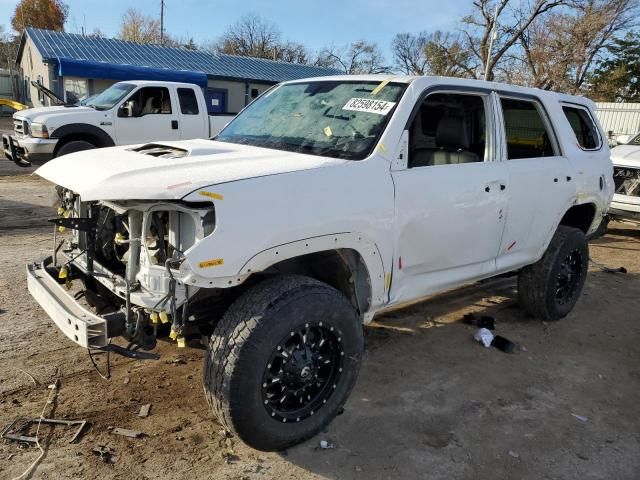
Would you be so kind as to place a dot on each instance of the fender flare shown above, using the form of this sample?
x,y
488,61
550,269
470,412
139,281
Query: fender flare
x,y
367,249
79,129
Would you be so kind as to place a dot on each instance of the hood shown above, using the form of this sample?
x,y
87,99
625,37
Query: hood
x,y
627,155
169,170
43,114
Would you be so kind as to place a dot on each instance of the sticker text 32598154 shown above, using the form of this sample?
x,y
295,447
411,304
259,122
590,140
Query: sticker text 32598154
x,y
369,105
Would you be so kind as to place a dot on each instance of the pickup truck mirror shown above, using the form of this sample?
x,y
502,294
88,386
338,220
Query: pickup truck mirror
x,y
126,109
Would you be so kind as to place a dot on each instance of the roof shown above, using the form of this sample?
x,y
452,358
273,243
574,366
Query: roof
x,y
54,46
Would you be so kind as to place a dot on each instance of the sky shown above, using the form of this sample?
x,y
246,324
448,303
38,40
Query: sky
x,y
316,23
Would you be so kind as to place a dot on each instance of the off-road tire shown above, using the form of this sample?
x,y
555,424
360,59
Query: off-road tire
x,y
537,282
74,146
246,337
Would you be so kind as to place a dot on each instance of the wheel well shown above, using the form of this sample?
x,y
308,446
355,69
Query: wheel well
x,y
343,269
85,137
579,216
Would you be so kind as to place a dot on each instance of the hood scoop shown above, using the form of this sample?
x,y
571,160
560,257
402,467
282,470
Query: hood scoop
x,y
161,151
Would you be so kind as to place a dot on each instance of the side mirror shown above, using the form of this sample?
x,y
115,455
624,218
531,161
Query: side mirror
x,y
126,109
623,139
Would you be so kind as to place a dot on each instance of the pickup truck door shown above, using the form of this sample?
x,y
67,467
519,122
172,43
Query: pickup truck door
x,y
450,199
541,184
149,114
193,117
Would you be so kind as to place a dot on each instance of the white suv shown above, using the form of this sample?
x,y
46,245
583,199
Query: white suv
x,y
325,201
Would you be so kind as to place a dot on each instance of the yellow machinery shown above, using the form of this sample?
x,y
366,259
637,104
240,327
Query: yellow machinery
x,y
12,104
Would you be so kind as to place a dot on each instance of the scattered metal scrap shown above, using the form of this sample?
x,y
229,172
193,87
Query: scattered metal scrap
x,y
10,434
127,433
144,410
606,269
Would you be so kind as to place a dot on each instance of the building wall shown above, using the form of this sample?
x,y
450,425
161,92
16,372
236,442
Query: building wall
x,y
619,118
33,68
236,92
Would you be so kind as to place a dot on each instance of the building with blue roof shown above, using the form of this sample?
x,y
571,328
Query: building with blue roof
x,y
75,66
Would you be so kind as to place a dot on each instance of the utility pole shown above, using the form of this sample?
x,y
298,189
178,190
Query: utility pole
x,y
161,22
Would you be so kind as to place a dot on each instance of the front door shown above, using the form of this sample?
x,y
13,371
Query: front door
x,y
450,202
151,116
541,183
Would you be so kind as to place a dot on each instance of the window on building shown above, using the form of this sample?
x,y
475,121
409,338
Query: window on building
x,y
448,129
254,93
526,132
188,101
75,89
583,126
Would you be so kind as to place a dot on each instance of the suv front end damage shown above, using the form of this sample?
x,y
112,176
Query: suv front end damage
x,y
129,257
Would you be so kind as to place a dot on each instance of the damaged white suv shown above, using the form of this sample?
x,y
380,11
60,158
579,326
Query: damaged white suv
x,y
324,202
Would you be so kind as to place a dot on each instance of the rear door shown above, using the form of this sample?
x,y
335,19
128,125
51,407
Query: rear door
x,y
193,122
449,196
541,183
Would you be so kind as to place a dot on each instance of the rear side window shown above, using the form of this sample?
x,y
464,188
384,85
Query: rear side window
x,y
188,101
583,126
526,133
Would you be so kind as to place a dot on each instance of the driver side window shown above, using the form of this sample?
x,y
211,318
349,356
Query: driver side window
x,y
149,101
448,129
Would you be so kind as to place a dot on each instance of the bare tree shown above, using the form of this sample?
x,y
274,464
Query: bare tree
x,y
513,20
358,57
446,55
137,27
250,36
408,53
560,52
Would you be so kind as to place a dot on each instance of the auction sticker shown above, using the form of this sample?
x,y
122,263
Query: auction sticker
x,y
369,105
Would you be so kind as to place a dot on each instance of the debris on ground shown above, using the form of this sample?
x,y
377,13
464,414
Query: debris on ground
x,y
580,417
484,321
13,431
325,445
125,432
514,454
606,269
502,344
484,336
106,454
144,410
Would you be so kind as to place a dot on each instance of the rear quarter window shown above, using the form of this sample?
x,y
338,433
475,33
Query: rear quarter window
x,y
583,126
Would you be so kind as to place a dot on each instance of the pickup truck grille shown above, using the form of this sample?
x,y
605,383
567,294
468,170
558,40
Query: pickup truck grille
x,y
627,181
20,128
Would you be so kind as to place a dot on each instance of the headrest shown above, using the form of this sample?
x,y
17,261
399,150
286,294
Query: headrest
x,y
452,133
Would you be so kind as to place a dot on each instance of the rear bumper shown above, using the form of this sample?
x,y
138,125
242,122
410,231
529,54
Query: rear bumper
x,y
76,322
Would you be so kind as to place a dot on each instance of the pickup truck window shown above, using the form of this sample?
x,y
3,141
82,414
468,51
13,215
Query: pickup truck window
x,y
583,126
448,129
526,132
150,101
188,101
341,119
111,96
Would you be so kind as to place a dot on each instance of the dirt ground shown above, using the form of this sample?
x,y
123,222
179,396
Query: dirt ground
x,y
429,403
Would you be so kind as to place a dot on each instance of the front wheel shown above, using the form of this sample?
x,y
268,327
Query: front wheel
x,y
74,146
550,288
282,361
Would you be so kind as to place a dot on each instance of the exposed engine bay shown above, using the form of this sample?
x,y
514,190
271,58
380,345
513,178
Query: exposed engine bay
x,y
128,257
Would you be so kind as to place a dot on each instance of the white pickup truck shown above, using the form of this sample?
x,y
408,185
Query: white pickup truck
x,y
322,203
124,114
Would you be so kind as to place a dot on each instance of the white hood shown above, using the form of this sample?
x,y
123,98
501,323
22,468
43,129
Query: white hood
x,y
43,114
119,173
626,155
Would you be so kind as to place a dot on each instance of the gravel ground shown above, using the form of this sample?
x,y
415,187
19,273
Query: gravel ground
x,y
429,403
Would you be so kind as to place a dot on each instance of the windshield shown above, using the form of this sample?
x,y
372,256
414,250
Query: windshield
x,y
635,140
111,96
341,119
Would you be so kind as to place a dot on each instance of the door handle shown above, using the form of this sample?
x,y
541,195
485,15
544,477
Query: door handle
x,y
174,124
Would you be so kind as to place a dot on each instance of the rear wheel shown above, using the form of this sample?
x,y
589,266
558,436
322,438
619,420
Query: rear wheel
x,y
550,288
282,361
74,146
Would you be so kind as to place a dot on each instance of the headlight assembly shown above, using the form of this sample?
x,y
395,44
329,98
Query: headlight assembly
x,y
39,130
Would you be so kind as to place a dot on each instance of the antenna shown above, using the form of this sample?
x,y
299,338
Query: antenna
x,y
494,34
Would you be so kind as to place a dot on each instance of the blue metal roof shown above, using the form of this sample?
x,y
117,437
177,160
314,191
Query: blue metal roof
x,y
54,46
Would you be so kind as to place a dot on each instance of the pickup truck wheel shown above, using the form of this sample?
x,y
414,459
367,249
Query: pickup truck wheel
x,y
74,146
550,288
282,361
